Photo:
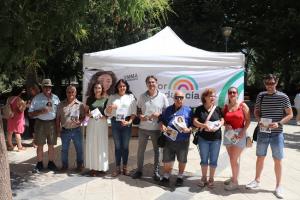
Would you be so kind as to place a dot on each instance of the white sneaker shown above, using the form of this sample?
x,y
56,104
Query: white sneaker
x,y
279,192
252,185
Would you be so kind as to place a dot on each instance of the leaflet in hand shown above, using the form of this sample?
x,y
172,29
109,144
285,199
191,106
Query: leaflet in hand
x,y
230,135
214,124
171,133
74,115
179,123
121,113
265,125
96,113
148,114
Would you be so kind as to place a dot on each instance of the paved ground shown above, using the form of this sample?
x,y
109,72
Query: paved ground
x,y
70,185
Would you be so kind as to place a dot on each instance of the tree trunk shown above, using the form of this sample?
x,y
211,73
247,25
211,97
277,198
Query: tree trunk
x,y
5,188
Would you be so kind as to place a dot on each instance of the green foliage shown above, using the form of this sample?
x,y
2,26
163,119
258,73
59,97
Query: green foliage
x,y
268,32
47,38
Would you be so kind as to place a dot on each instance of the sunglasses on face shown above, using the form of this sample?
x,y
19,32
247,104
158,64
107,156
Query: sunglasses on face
x,y
178,97
232,92
270,83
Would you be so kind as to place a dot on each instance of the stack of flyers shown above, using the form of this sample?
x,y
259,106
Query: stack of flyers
x,y
213,124
230,135
265,125
96,113
171,133
179,123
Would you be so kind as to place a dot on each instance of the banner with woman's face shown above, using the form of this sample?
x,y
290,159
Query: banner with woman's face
x,y
191,82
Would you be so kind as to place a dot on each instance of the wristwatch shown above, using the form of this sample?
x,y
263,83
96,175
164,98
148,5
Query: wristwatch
x,y
280,123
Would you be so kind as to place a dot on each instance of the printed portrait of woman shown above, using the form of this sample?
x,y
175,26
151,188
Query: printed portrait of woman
x,y
107,78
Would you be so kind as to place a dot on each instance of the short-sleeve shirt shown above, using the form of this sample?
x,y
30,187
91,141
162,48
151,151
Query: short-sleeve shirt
x,y
40,101
94,103
201,114
67,111
149,105
273,107
126,102
169,115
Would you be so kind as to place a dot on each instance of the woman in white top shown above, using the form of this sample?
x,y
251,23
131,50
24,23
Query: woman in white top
x,y
96,149
121,106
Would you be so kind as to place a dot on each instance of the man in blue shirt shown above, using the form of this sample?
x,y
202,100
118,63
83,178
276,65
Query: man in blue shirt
x,y
176,125
43,108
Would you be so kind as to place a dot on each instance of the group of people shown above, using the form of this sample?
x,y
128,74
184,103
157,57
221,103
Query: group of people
x,y
176,122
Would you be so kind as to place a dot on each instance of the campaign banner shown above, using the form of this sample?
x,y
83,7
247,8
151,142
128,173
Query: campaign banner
x,y
190,81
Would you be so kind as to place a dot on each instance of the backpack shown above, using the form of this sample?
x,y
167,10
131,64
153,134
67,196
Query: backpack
x,y
7,112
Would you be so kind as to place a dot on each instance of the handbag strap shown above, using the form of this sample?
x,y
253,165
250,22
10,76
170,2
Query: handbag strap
x,y
209,115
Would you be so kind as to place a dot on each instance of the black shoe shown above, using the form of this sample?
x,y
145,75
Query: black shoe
x,y
38,168
52,166
137,175
179,182
64,169
164,181
156,176
79,167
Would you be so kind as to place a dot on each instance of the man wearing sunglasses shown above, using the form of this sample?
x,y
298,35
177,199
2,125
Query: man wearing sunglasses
x,y
43,108
176,123
272,110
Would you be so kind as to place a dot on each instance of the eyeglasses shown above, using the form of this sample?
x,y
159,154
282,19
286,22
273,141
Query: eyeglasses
x,y
178,97
232,92
270,83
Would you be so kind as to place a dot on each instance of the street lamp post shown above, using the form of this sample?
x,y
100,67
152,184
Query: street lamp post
x,y
226,33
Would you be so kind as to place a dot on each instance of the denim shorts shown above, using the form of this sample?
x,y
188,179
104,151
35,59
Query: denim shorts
x,y
276,141
178,148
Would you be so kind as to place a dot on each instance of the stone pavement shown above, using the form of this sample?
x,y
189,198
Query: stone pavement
x,y
73,186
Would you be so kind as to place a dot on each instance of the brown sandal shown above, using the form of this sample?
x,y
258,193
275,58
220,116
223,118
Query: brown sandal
x,y
210,183
125,171
117,172
10,148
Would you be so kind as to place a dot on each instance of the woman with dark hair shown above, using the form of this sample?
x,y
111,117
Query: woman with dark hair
x,y
209,119
121,106
107,78
16,123
96,150
237,121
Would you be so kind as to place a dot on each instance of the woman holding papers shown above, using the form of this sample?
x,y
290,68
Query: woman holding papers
x,y
237,120
209,119
121,106
96,151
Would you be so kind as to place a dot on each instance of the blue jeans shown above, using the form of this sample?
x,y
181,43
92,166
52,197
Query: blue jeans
x,y
121,135
209,151
66,136
276,141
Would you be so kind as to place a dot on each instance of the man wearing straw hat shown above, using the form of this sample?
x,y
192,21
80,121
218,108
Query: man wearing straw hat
x,y
43,108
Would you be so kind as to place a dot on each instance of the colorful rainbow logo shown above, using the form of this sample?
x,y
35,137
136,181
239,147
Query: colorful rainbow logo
x,y
183,82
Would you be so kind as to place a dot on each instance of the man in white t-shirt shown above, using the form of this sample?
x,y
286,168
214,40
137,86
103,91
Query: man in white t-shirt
x,y
150,106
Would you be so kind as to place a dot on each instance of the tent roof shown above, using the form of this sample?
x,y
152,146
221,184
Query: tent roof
x,y
163,49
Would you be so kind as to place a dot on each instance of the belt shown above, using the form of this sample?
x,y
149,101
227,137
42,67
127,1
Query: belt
x,y
70,129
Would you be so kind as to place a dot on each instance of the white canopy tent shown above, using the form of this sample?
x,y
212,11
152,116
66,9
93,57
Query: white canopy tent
x,y
175,64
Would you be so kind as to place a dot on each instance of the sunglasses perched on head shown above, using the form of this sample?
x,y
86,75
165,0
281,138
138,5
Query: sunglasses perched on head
x,y
178,97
